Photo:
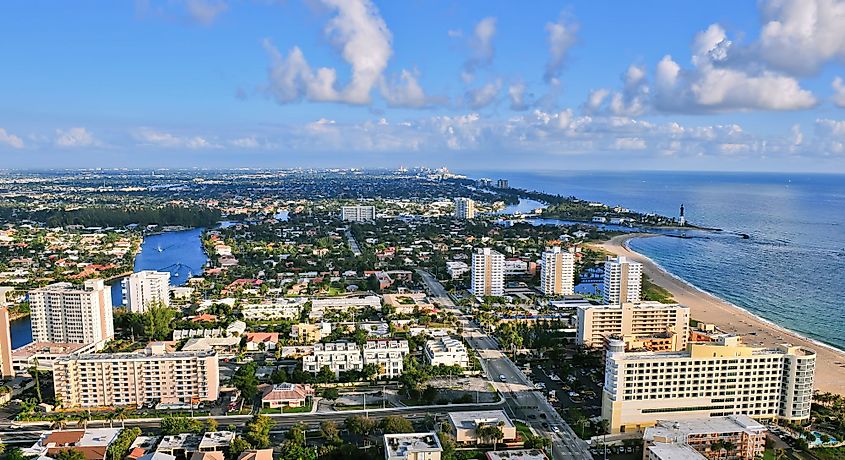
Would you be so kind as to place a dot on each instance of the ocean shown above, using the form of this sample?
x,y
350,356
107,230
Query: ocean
x,y
791,268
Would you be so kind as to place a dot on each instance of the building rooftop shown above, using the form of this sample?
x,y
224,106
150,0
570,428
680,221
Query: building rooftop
x,y
678,430
52,348
216,439
187,441
398,446
675,452
518,454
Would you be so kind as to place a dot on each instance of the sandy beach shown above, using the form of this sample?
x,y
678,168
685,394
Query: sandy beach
x,y
830,363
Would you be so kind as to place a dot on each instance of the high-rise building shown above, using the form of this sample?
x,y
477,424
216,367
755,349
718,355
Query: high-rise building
x,y
153,375
357,213
708,380
648,325
502,183
147,287
67,314
6,369
622,281
464,208
488,272
557,272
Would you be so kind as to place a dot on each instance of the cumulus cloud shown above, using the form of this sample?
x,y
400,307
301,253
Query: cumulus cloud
x,y
481,48
799,36
75,137
406,91
838,92
561,37
712,84
10,139
364,41
148,136
516,94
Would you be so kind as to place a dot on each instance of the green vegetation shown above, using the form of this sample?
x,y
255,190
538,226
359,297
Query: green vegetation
x,y
121,445
653,292
194,216
178,424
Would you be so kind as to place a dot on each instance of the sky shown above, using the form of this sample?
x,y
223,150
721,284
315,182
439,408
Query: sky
x,y
541,85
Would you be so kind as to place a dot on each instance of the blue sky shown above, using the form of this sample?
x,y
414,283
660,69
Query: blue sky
x,y
502,85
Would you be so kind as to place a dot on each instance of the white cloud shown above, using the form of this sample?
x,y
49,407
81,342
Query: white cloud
x,y
75,137
561,37
800,36
481,47
164,139
482,96
516,93
407,92
838,92
10,139
248,142
364,41
205,11
629,143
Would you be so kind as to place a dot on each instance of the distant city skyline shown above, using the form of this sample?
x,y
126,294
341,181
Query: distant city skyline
x,y
726,86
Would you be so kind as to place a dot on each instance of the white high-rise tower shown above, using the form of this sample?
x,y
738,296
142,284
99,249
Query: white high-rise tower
x,y
488,273
147,287
557,272
622,281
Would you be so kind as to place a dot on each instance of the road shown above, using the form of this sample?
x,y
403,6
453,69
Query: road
x,y
521,398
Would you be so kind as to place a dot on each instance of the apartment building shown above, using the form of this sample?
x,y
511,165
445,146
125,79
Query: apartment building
x,y
648,325
319,307
557,272
622,281
706,435
357,213
662,451
488,273
151,376
274,310
147,287
388,355
464,208
6,368
412,446
708,380
306,333
447,351
67,314
338,356
465,424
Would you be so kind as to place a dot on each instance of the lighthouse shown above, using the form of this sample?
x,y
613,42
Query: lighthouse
x,y
682,221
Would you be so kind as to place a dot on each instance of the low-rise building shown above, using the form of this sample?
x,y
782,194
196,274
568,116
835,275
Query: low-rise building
x,y
45,354
93,443
465,425
388,355
286,395
306,333
319,307
517,454
412,446
278,309
447,351
181,445
262,341
216,441
672,452
708,436
337,356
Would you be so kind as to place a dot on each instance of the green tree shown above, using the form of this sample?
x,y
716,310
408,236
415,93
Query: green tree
x,y
15,453
362,426
257,431
177,424
246,381
239,445
121,444
68,454
326,375
157,321
330,432
396,424
211,425
331,394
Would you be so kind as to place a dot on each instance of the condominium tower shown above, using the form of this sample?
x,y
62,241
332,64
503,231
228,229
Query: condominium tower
x,y
464,208
557,272
153,375
651,325
622,281
708,380
488,273
64,313
358,213
147,287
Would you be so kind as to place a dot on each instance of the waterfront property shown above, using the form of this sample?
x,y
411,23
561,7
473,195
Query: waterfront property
x,y
64,313
708,380
622,281
648,325
708,436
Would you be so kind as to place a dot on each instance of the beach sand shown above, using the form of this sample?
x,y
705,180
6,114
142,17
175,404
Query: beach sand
x,y
830,363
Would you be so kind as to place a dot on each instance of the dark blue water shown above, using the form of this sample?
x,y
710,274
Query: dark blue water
x,y
790,271
181,253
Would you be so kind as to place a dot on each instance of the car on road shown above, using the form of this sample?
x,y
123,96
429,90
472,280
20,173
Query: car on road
x,y
556,429
503,378
542,415
532,416
544,425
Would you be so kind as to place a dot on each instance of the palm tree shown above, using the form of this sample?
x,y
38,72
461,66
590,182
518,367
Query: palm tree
x,y
83,418
33,371
110,417
59,424
120,414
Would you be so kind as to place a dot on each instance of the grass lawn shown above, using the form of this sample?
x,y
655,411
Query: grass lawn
x,y
827,453
286,410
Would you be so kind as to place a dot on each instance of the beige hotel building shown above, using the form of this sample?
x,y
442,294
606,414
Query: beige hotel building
x,y
708,380
153,375
650,325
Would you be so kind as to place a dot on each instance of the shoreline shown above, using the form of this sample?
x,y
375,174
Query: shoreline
x,y
709,308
